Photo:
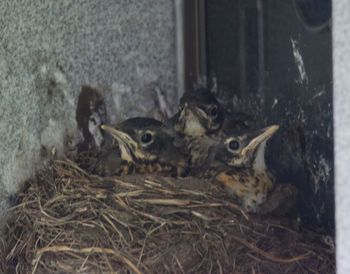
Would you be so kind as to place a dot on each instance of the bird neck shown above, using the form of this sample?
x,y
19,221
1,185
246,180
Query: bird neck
x,y
259,162
125,153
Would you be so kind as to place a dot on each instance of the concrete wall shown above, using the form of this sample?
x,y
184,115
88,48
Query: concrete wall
x,y
341,97
49,49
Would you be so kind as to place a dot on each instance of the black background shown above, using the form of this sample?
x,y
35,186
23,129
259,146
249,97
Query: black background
x,y
251,66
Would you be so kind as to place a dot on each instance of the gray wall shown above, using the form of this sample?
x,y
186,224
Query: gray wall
x,y
49,49
341,67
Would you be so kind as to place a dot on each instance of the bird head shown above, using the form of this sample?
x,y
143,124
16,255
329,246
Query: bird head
x,y
143,140
199,113
244,149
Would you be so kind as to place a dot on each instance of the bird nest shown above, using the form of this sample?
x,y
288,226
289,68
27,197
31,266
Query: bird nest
x,y
69,220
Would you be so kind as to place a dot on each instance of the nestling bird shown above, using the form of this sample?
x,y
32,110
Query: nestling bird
x,y
146,148
109,163
237,161
201,116
281,200
199,113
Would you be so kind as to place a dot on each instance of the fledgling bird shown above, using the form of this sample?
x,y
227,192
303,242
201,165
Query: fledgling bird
x,y
237,161
281,201
201,116
199,113
146,148
109,163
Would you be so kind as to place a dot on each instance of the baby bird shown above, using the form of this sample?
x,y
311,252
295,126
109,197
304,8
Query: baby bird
x,y
109,163
199,114
146,148
237,161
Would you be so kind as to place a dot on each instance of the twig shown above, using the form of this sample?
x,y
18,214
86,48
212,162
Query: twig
x,y
41,251
115,229
152,183
269,256
124,205
253,257
282,227
203,217
120,182
164,201
130,194
220,267
179,265
72,164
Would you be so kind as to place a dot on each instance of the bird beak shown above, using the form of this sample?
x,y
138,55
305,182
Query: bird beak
x,y
119,135
263,136
198,113
190,113
127,145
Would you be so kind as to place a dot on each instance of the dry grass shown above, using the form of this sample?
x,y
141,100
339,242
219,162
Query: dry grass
x,y
69,221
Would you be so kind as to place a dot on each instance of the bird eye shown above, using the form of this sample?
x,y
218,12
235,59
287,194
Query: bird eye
x,y
214,111
147,137
234,145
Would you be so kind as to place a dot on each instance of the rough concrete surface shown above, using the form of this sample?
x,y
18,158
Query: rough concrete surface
x,y
341,55
49,49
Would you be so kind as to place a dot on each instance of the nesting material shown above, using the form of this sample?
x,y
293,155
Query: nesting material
x,y
68,220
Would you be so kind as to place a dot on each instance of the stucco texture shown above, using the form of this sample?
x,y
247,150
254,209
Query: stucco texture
x,y
49,49
341,59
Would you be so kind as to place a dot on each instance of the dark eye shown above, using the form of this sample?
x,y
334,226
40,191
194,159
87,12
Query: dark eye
x,y
234,145
214,111
145,138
